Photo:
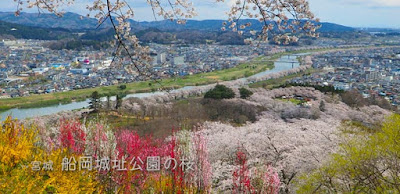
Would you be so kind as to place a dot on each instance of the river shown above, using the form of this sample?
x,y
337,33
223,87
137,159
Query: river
x,y
282,64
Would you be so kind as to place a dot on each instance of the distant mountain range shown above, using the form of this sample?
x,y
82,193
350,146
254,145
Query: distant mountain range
x,y
217,24
76,33
73,21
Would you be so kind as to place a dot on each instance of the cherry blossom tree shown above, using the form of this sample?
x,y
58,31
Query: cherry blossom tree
x,y
291,146
274,15
287,148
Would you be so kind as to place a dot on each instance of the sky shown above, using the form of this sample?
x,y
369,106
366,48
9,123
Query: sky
x,y
354,13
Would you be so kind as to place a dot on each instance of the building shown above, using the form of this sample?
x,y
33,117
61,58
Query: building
x,y
161,58
180,60
40,71
82,60
372,75
154,60
79,71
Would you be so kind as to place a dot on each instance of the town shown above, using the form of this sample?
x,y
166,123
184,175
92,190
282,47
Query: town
x,y
373,72
27,67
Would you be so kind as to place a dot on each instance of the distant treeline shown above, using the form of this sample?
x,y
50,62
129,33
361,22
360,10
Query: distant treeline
x,y
388,34
324,89
345,35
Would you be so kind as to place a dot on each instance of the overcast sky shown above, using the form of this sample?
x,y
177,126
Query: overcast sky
x,y
355,13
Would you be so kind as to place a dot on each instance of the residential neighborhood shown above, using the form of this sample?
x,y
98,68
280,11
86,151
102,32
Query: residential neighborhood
x,y
28,67
373,72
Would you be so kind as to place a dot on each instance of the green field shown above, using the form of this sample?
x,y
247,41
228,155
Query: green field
x,y
293,100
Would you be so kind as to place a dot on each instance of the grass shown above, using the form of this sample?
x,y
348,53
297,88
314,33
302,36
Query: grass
x,y
243,70
293,100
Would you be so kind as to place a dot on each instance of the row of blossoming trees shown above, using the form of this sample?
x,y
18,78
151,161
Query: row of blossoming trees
x,y
79,156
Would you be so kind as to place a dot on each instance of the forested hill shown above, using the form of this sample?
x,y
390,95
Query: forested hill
x,y
77,32
70,20
213,25
11,30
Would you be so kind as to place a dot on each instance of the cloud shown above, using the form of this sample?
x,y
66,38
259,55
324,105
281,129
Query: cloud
x,y
374,3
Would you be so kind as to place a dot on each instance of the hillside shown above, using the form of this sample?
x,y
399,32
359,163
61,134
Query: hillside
x,y
215,25
51,27
28,32
272,131
68,21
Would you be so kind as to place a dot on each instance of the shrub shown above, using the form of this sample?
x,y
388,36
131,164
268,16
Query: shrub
x,y
245,93
247,74
322,106
220,92
16,144
122,87
72,137
264,85
21,148
241,175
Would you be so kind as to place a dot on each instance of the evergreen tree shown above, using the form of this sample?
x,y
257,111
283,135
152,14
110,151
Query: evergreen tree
x,y
95,103
108,101
245,93
220,92
119,100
